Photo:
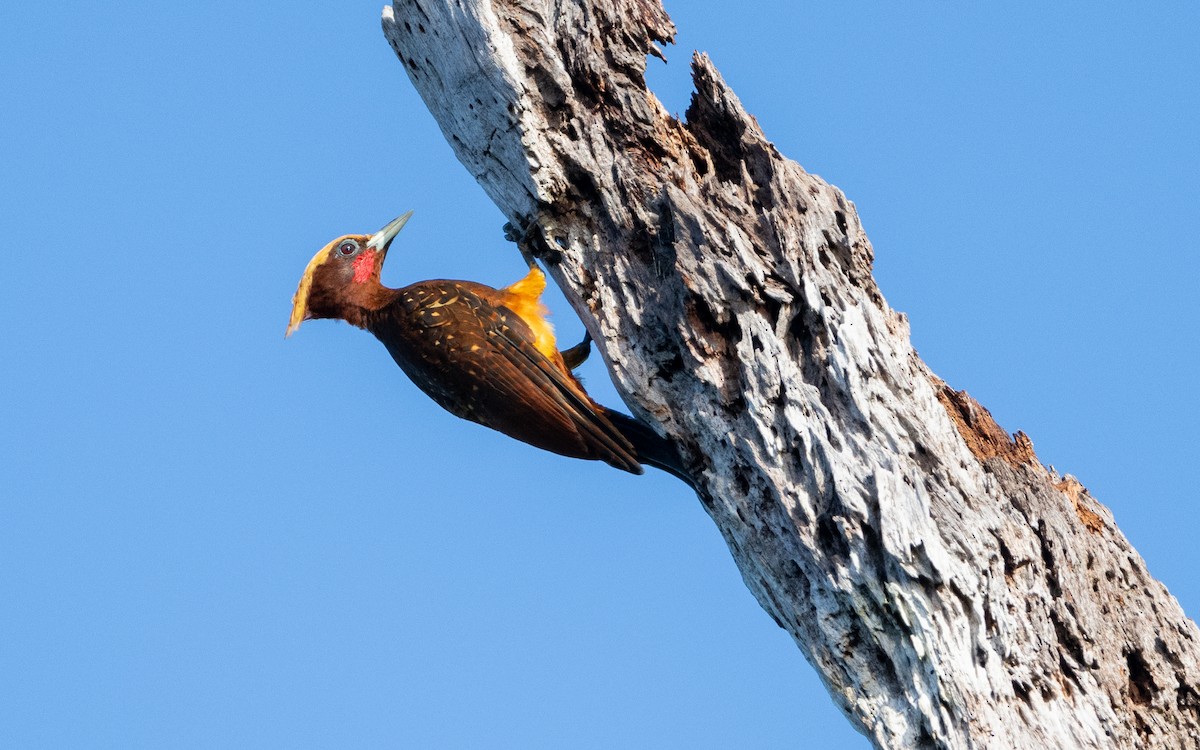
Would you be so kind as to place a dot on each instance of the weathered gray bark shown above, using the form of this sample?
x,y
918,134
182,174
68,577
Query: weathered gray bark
x,y
949,589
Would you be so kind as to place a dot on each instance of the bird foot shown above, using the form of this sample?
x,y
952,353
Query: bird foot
x,y
533,237
578,354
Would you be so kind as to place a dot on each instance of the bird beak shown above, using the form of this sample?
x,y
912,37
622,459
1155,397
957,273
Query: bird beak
x,y
383,238
380,241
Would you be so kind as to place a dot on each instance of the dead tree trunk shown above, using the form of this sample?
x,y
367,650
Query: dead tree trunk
x,y
951,591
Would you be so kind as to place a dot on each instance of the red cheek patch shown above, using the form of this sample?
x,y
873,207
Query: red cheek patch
x,y
364,266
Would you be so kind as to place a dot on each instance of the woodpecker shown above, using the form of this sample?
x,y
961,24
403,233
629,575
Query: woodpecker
x,y
484,354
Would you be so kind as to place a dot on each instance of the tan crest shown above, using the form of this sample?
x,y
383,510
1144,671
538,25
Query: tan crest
x,y
300,299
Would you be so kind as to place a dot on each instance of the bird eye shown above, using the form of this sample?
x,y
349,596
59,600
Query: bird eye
x,y
349,247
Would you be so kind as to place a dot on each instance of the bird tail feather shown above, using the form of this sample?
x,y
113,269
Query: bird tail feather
x,y
652,449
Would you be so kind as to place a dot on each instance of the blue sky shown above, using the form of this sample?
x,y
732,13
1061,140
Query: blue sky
x,y
211,537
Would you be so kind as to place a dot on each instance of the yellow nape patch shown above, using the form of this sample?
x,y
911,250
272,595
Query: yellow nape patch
x,y
524,298
300,298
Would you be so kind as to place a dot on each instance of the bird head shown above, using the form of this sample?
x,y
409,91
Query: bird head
x,y
343,275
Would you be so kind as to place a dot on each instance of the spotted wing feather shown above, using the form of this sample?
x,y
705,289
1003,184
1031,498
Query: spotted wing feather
x,y
477,359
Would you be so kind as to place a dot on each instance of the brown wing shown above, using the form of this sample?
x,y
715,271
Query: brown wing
x,y
477,359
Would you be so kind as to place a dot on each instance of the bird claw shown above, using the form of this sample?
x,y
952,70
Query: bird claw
x,y
533,237
512,234
578,354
